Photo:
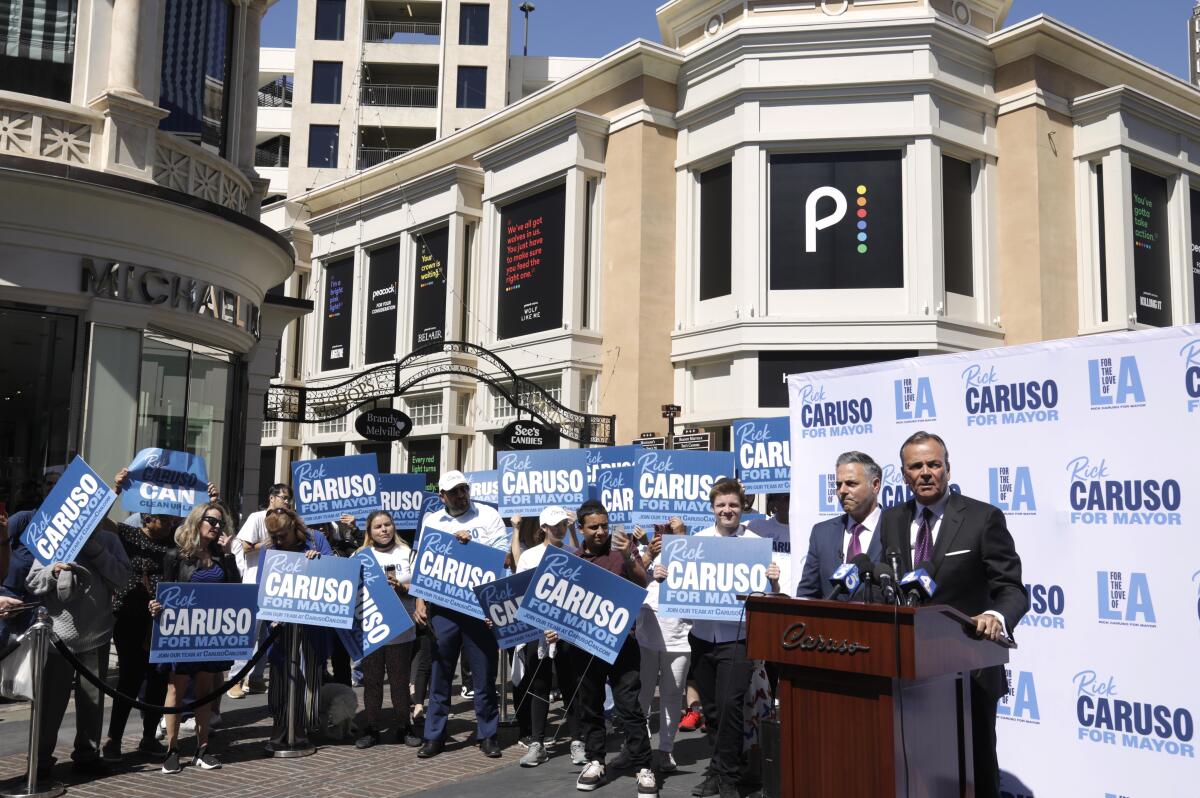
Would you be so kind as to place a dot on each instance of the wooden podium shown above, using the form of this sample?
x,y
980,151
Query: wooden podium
x,y
873,701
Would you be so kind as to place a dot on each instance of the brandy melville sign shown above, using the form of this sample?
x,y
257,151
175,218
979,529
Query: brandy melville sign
x,y
143,285
527,435
383,424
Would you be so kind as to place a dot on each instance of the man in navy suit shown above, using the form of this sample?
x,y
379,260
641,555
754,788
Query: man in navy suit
x,y
977,570
853,532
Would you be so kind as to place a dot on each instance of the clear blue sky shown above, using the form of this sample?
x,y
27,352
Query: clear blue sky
x,y
1152,30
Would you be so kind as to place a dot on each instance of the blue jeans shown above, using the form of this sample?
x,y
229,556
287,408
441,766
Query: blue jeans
x,y
454,632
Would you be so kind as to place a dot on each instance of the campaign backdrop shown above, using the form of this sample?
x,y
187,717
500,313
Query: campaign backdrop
x,y
500,601
584,604
1089,447
204,622
705,575
671,483
446,571
328,488
764,454
322,591
531,480
164,481
74,507
402,495
379,616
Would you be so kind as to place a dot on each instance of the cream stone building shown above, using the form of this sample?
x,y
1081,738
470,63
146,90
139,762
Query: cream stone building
x,y
134,273
775,187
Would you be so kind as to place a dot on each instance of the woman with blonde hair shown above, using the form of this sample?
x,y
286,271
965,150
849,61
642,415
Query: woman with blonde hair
x,y
202,556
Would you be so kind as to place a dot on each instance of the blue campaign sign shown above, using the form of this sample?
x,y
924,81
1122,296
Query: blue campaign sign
x,y
485,486
402,495
764,454
615,488
447,572
677,483
604,458
322,591
165,481
584,604
74,507
500,601
531,480
204,622
705,575
331,487
380,616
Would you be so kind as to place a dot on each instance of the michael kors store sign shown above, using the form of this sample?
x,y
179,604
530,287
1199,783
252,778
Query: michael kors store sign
x,y
146,286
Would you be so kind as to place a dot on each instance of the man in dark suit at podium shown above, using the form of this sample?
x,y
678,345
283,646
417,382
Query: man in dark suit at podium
x,y
854,532
976,568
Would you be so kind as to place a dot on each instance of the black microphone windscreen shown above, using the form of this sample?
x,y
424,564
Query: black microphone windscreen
x,y
883,569
866,567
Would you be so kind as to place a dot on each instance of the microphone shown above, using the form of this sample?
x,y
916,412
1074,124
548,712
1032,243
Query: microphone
x,y
920,585
886,578
866,570
844,580
892,558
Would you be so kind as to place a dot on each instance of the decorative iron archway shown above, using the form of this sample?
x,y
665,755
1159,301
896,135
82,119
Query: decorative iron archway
x,y
311,405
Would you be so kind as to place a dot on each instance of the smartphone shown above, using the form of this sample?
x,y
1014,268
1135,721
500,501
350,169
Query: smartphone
x,y
390,569
661,529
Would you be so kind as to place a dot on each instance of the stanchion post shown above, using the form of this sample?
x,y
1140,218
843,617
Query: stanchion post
x,y
505,720
292,746
40,632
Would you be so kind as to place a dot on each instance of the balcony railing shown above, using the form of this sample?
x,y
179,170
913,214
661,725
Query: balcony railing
x,y
276,94
404,32
398,96
370,156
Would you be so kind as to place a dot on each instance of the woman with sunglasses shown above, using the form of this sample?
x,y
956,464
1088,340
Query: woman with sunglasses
x,y
203,556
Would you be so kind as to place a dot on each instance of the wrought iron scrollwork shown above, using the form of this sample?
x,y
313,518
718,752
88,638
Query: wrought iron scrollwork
x,y
310,405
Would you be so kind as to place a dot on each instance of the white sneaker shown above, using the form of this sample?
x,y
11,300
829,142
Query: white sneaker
x,y
188,725
591,777
666,762
647,784
161,734
535,756
578,753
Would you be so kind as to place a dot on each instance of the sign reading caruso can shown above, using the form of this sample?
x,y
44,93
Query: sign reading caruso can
x,y
527,435
74,507
331,487
322,591
163,481
383,424
202,622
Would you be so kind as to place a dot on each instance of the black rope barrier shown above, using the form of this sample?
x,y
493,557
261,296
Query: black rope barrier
x,y
70,657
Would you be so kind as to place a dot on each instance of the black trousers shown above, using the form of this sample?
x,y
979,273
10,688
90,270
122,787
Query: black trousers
x,y
983,734
422,664
624,676
131,634
722,674
532,694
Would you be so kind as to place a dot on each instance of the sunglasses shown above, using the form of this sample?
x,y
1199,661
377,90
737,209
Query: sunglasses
x,y
214,521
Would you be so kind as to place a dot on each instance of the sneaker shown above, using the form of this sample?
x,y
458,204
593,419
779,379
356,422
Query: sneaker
x,y
578,753
111,752
236,692
171,763
188,725
367,740
148,745
91,767
621,761
253,687
410,737
206,761
591,777
666,762
727,789
691,720
466,692
535,756
709,786
647,783
161,734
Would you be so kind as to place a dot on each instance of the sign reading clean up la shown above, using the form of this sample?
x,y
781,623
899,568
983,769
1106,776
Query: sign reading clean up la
x,y
677,484
74,507
500,601
203,622
447,571
331,487
584,604
165,481
764,454
380,616
319,592
529,481
705,575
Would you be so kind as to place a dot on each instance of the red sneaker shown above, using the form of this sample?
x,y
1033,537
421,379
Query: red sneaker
x,y
691,720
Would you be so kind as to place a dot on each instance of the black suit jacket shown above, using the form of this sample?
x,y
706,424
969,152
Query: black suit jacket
x,y
825,555
975,565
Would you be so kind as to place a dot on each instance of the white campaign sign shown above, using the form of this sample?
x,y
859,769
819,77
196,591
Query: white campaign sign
x,y
1089,446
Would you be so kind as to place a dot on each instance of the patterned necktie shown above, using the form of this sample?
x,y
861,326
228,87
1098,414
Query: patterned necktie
x,y
924,536
855,547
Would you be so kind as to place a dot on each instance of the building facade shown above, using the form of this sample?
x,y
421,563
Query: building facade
x,y
778,187
134,272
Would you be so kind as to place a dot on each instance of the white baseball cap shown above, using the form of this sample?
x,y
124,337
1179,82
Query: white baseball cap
x,y
451,480
552,516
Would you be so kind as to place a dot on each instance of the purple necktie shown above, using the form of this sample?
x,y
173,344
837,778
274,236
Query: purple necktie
x,y
855,547
924,534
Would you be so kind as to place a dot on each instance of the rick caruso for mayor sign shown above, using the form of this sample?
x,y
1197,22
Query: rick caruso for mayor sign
x,y
705,575
529,481
203,622
764,454
163,481
500,601
318,592
379,616
677,484
331,487
74,507
447,572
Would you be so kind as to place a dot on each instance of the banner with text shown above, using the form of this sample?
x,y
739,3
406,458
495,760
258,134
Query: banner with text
x,y
764,454
584,604
500,601
677,483
402,495
529,481
331,487
204,622
1088,445
163,481
67,517
379,616
322,591
447,572
706,575
485,486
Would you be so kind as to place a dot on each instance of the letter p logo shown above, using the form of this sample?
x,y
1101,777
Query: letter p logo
x,y
812,225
